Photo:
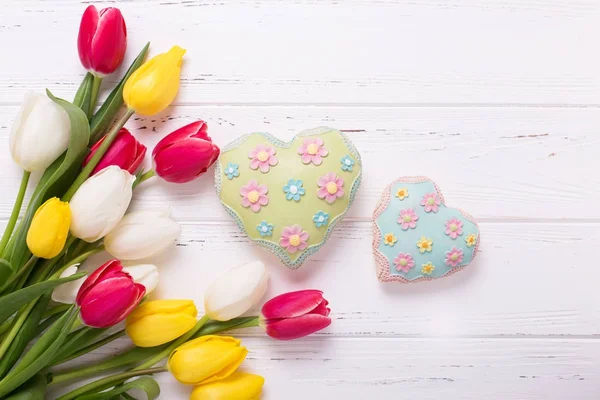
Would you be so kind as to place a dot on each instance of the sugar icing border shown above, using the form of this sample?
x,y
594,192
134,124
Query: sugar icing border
x,y
273,247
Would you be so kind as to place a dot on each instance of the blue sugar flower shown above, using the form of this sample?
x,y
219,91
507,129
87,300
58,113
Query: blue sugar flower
x,y
321,218
265,229
293,190
232,171
347,163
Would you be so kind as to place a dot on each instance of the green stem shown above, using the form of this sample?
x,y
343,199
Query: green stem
x,y
166,352
17,324
20,273
144,177
82,351
87,170
94,96
15,212
109,381
77,260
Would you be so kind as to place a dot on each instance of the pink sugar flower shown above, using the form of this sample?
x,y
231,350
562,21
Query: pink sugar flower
x,y
254,195
330,187
408,219
294,238
454,257
312,151
263,157
453,228
404,262
431,202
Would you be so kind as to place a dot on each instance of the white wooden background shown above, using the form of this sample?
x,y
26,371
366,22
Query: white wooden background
x,y
496,100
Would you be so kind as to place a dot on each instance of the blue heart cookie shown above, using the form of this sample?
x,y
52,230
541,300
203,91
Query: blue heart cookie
x,y
416,237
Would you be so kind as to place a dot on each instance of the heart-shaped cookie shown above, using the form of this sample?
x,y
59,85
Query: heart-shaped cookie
x,y
416,237
288,196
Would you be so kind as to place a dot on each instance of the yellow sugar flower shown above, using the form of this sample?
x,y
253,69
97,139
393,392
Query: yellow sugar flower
x,y
389,239
471,240
402,193
424,244
428,268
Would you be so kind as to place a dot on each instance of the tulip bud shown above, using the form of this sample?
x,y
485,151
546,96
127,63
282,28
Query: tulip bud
x,y
161,321
125,152
234,292
102,40
40,133
238,386
49,229
67,292
100,203
296,314
206,359
108,296
142,234
185,154
154,85
145,274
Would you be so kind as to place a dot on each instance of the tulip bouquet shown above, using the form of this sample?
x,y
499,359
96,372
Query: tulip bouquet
x,y
52,311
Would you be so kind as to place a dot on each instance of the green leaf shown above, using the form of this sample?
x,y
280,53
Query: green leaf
x,y
12,302
33,389
106,114
145,383
78,340
84,93
6,270
25,334
40,354
80,136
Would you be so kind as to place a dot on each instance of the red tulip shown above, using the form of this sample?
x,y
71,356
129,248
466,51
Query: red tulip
x,y
108,296
296,314
185,154
102,40
125,152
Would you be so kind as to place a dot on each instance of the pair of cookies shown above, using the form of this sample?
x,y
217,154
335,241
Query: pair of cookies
x,y
289,196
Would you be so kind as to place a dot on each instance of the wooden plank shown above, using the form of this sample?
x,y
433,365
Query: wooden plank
x,y
519,285
424,369
331,52
517,163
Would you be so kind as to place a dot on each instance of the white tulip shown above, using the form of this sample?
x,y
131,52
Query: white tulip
x,y
100,203
142,234
67,292
146,274
235,292
40,134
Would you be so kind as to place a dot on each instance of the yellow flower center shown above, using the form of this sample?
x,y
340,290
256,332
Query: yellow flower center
x,y
407,218
403,262
262,156
332,188
295,240
312,149
453,227
253,196
430,201
454,257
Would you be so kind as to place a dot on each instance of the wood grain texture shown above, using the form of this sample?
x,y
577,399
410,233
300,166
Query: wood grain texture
x,y
334,52
495,100
494,163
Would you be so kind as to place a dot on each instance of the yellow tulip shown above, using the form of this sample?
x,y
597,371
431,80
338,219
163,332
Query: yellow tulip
x,y
238,386
157,322
206,359
49,229
154,85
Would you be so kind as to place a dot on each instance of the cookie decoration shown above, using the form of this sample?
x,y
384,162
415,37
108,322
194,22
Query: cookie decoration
x,y
289,196
416,237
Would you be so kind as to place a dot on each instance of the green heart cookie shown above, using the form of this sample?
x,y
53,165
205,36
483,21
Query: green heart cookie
x,y
288,197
